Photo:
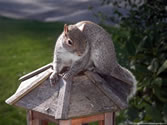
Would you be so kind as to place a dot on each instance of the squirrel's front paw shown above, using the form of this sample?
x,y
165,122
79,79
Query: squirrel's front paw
x,y
53,78
67,76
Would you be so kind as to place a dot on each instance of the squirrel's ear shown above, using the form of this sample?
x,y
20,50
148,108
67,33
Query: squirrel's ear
x,y
65,28
81,27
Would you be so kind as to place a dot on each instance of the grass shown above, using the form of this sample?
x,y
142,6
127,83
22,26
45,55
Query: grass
x,y
24,47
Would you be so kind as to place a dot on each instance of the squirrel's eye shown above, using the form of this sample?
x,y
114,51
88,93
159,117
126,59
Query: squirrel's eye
x,y
69,42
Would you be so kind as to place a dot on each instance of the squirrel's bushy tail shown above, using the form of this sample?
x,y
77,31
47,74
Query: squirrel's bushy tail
x,y
125,75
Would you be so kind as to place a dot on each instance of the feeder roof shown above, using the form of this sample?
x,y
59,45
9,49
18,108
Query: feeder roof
x,y
88,94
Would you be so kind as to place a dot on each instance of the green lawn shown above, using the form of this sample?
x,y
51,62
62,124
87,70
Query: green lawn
x,y
24,47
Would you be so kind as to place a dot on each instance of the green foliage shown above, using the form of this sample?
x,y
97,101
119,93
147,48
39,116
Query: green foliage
x,y
24,47
146,54
141,45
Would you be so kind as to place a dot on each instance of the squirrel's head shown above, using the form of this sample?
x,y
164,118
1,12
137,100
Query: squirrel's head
x,y
74,40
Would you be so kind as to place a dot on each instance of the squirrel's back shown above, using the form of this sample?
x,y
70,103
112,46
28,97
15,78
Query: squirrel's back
x,y
103,53
102,48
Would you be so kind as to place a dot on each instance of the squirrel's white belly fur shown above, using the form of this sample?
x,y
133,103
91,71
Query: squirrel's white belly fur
x,y
67,57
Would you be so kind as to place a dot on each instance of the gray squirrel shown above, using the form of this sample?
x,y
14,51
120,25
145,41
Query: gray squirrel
x,y
86,46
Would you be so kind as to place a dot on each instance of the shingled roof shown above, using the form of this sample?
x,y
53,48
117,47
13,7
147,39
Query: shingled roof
x,y
88,94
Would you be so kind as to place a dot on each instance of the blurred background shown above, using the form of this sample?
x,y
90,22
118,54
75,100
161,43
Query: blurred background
x,y
29,29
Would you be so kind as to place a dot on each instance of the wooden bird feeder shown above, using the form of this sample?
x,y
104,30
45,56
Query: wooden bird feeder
x,y
88,98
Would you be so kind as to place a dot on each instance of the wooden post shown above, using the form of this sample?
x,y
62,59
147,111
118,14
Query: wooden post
x,y
36,118
65,122
31,120
109,119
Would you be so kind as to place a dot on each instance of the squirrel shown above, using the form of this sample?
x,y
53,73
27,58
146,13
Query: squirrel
x,y
87,46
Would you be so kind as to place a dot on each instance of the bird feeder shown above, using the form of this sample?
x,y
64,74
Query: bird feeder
x,y
88,98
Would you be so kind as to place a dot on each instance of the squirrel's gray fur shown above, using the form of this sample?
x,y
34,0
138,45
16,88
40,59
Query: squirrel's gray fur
x,y
85,46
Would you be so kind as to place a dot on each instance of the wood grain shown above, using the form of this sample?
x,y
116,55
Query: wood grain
x,y
19,94
107,90
108,119
63,99
36,72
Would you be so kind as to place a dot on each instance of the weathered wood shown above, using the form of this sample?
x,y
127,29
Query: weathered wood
x,y
87,95
44,117
86,99
36,72
42,99
107,90
63,99
34,83
122,89
29,117
31,120
108,119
